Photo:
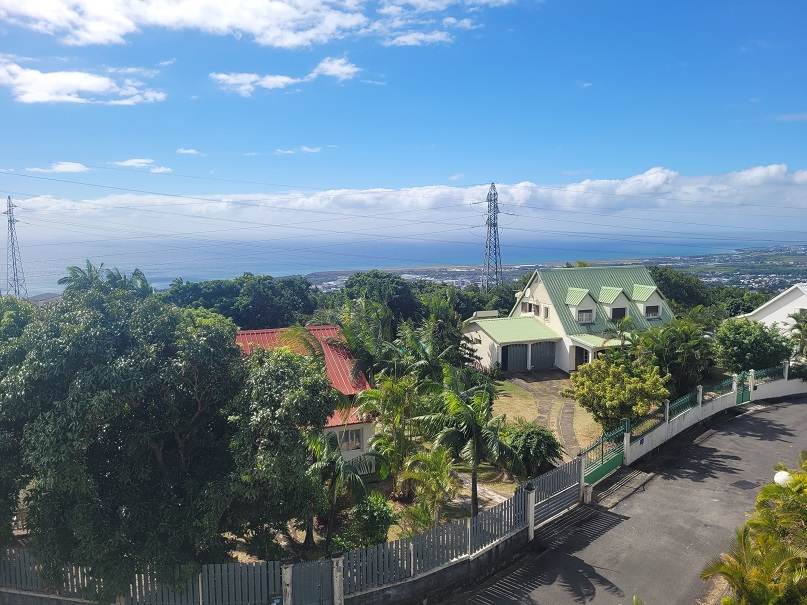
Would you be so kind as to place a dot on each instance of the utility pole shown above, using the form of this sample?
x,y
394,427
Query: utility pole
x,y
15,279
492,273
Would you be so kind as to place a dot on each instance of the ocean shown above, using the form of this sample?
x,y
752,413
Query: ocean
x,y
163,260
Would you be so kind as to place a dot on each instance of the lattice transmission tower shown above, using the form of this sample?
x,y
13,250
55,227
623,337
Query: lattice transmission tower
x,y
492,273
15,279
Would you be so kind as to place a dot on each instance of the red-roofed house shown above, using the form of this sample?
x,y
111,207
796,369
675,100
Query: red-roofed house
x,y
353,432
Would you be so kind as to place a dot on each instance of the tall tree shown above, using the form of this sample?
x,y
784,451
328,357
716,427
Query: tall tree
x,y
464,423
743,344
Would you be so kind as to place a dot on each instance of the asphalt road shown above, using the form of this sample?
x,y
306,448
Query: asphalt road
x,y
658,523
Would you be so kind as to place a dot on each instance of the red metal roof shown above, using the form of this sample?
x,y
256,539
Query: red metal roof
x,y
338,362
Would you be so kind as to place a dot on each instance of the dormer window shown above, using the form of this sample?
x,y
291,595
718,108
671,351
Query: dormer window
x,y
652,312
618,313
585,316
546,313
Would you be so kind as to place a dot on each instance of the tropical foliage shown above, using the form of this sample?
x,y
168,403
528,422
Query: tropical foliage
x,y
768,562
536,446
612,387
744,344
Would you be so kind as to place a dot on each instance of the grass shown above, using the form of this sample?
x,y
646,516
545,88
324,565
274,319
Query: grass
x,y
514,402
586,428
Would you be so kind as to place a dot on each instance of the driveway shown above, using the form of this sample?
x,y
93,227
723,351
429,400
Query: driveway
x,y
658,523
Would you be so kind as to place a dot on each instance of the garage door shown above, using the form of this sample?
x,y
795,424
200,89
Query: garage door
x,y
514,358
543,354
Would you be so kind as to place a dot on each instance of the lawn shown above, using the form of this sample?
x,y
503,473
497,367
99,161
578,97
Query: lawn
x,y
514,401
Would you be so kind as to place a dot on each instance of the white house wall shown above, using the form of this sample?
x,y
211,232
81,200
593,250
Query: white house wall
x,y
778,310
487,350
367,431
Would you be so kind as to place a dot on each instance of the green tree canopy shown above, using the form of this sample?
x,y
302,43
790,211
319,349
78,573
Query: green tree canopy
x,y
145,438
744,344
387,289
611,388
251,301
537,446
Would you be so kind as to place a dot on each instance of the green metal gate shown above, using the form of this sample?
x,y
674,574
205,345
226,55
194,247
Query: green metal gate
x,y
604,455
743,388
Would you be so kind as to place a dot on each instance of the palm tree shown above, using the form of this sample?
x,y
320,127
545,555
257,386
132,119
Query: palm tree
x,y
761,570
82,279
436,480
392,404
799,332
620,328
464,423
336,474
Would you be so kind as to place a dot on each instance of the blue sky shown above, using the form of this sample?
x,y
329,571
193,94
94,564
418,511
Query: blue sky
x,y
299,117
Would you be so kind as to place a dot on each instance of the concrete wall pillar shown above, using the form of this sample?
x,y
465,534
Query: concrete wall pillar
x,y
666,411
786,370
752,383
286,576
582,480
338,576
530,489
700,395
626,458
734,382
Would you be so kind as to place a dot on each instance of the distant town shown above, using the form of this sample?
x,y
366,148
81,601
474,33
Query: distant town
x,y
772,268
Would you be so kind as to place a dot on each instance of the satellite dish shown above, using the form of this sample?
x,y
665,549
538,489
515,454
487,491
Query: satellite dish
x,y
527,292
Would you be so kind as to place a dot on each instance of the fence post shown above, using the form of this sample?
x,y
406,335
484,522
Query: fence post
x,y
201,594
626,442
286,573
786,370
530,489
338,577
582,480
412,558
700,395
666,411
735,380
752,383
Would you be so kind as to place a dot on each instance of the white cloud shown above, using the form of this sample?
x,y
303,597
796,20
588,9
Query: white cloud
x,y
419,38
166,63
284,151
793,117
246,83
339,68
62,167
310,149
143,163
34,86
582,84
6,170
135,163
456,177
276,23
185,151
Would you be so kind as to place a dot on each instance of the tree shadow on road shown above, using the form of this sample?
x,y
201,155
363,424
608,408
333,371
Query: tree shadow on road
x,y
758,426
557,564
698,463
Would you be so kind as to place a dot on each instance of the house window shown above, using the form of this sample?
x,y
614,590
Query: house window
x,y
349,440
651,311
524,307
618,313
546,312
530,308
585,316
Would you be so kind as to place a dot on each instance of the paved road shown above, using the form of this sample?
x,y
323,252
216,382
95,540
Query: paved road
x,y
658,523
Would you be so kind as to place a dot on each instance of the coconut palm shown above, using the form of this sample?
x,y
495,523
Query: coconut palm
x,y
799,332
337,475
78,278
464,423
436,481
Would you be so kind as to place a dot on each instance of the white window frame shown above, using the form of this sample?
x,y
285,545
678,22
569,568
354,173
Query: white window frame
x,y
648,314
350,436
585,316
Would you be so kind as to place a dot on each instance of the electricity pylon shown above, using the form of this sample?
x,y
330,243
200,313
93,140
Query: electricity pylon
x,y
15,278
492,272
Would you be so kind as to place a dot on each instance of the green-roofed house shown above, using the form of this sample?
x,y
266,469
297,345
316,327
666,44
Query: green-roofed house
x,y
563,317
